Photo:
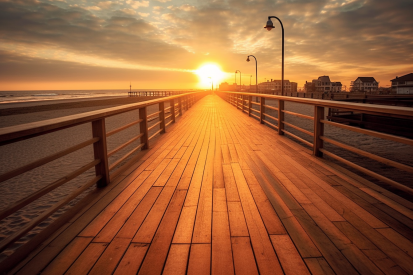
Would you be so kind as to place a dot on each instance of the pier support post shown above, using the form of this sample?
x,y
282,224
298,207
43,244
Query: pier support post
x,y
162,117
262,109
318,130
100,152
280,117
242,103
172,109
144,127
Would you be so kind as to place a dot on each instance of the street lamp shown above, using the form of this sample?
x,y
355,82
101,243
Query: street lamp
x,y
212,83
239,78
256,74
269,27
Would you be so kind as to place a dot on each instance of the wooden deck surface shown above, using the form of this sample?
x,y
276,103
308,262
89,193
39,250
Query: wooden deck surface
x,y
220,193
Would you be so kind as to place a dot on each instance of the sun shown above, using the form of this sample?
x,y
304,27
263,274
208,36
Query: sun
x,y
209,74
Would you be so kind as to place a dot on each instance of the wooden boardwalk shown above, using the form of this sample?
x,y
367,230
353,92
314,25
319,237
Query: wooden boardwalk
x,y
222,194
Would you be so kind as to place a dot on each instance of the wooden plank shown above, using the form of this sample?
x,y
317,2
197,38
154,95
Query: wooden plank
x,y
132,259
111,257
158,250
149,226
184,229
177,260
230,185
290,259
336,260
265,255
199,259
98,223
87,259
226,157
163,178
269,216
318,266
132,224
244,261
221,262
67,256
237,224
120,218
403,243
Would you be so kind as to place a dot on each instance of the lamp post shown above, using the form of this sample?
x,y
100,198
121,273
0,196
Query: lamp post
x,y
239,78
270,26
256,72
212,83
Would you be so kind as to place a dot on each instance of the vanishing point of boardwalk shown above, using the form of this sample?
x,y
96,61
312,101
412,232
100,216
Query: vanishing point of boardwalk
x,y
220,193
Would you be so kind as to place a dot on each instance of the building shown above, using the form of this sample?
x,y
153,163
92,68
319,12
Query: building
x,y
403,84
275,85
364,84
227,87
323,84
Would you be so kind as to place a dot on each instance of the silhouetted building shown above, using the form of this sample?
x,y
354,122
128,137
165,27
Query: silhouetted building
x,y
227,87
323,84
403,84
275,85
364,84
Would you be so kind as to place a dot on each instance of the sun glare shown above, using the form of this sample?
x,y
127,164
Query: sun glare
x,y
209,73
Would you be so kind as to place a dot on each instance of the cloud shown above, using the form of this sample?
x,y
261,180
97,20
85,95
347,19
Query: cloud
x,y
138,4
143,14
94,8
105,4
128,11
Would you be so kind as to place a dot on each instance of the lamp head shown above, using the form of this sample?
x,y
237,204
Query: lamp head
x,y
269,25
248,59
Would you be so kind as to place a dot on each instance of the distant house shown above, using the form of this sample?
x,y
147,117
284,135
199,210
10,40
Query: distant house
x,y
364,84
227,87
403,84
275,85
323,84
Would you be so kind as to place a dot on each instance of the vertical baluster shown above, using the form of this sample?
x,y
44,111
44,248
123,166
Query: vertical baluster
x,y
318,130
280,117
249,105
100,152
262,109
162,116
144,127
172,109
180,105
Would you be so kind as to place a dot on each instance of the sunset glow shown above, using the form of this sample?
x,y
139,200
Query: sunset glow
x,y
168,44
207,73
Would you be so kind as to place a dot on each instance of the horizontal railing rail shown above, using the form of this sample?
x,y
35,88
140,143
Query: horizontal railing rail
x,y
319,122
104,173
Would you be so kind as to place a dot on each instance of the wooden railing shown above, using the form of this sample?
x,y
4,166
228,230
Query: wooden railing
x,y
245,102
103,172
158,93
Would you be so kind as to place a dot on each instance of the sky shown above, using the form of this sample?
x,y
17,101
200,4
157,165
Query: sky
x,y
162,44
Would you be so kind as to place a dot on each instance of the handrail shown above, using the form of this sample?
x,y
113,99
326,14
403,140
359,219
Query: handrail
x,y
24,131
319,122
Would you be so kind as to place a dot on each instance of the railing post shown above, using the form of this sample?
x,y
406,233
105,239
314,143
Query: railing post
x,y
172,110
280,117
242,103
162,116
100,152
318,130
262,109
249,105
144,127
180,105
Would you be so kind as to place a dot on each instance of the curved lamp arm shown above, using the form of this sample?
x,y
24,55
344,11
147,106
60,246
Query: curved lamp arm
x,y
256,72
269,27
